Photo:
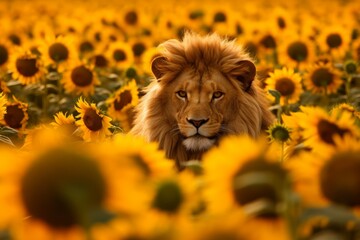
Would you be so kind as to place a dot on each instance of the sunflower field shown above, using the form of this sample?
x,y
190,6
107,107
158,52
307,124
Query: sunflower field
x,y
71,73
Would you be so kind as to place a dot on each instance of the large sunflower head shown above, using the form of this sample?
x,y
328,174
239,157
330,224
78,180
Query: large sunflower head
x,y
16,115
26,67
121,105
249,177
322,77
296,52
335,40
93,124
58,51
287,83
120,54
80,79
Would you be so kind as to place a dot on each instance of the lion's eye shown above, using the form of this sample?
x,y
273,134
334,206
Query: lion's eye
x,y
181,94
217,95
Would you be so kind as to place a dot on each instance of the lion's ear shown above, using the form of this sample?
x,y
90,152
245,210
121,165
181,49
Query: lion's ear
x,y
245,72
157,66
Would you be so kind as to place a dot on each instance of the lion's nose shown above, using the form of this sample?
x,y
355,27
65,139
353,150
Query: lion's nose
x,y
197,122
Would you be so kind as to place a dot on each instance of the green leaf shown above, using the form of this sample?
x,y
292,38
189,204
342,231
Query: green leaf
x,y
276,94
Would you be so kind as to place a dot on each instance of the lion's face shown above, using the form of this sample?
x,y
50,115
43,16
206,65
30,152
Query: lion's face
x,y
201,106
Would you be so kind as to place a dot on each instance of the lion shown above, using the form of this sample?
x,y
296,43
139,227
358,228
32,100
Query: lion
x,y
205,87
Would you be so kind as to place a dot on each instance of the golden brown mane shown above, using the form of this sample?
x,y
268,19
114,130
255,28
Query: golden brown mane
x,y
200,60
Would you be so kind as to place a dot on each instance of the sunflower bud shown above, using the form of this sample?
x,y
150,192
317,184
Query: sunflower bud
x,y
350,67
279,132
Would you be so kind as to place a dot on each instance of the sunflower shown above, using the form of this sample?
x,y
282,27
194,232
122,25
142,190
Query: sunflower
x,y
3,102
16,115
93,124
139,46
120,54
26,67
80,79
121,105
320,129
287,83
296,52
335,40
322,78
244,180
58,52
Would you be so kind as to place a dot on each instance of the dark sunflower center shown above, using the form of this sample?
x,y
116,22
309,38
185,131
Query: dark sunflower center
x,y
4,54
138,49
285,86
81,76
15,39
27,67
281,22
334,40
131,18
13,116
219,17
259,180
239,29
297,51
58,52
100,61
92,120
340,179
328,130
168,197
86,46
268,41
351,67
119,55
322,77
124,99
61,186
197,14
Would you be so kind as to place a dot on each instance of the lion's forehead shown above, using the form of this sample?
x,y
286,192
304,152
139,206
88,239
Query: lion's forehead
x,y
203,83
